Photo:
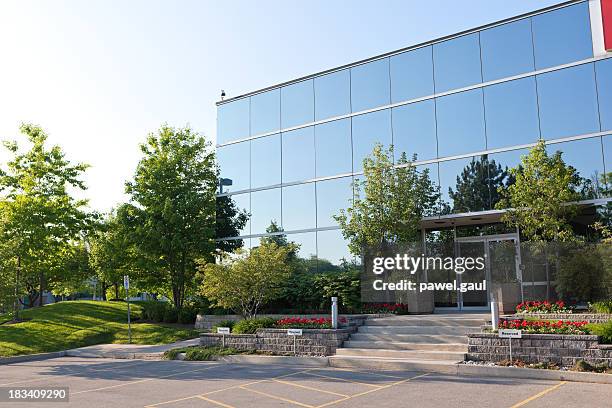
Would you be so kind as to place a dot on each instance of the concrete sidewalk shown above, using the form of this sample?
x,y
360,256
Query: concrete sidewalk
x,y
129,351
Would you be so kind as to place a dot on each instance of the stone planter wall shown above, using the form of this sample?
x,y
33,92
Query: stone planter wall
x,y
313,342
589,317
564,350
206,322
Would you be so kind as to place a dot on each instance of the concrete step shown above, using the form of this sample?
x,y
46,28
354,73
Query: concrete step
x,y
476,323
409,338
388,345
405,354
380,363
433,330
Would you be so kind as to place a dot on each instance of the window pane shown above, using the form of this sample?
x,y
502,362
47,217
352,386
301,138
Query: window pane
x,y
510,159
233,121
457,63
370,85
460,123
242,203
265,112
333,148
298,155
234,165
332,249
414,130
432,169
332,196
368,130
266,161
562,36
607,151
307,242
507,50
464,184
501,163
584,155
297,102
265,208
511,110
332,95
568,102
299,211
412,75
604,87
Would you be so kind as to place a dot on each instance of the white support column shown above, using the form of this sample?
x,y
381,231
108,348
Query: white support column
x,y
597,32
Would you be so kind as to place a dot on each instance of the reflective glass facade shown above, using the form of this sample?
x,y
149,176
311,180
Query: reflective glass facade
x,y
468,107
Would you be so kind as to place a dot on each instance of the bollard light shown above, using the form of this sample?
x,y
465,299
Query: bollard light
x,y
334,312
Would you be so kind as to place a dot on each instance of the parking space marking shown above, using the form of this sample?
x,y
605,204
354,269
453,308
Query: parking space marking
x,y
265,394
382,387
144,380
310,388
212,401
538,395
345,380
366,372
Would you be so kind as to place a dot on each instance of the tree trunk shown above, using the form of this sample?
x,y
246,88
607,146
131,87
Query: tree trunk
x,y
104,288
17,276
41,299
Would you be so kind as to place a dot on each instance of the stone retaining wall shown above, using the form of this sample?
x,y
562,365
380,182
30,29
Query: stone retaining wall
x,y
206,322
313,342
589,317
564,350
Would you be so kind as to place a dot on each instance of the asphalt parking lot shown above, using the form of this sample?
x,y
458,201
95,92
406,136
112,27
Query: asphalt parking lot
x,y
178,384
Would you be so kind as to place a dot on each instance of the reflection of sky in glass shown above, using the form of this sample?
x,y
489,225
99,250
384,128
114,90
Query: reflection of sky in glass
x,y
299,207
511,110
568,102
265,112
368,130
242,202
584,155
297,102
307,242
266,163
604,88
332,247
332,195
298,155
370,85
461,126
233,120
234,164
265,208
333,148
411,75
457,63
509,159
414,130
332,95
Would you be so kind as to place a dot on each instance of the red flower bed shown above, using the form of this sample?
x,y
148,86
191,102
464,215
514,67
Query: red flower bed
x,y
546,326
306,323
396,308
543,307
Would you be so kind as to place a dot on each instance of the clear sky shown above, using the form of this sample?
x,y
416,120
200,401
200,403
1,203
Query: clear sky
x,y
98,75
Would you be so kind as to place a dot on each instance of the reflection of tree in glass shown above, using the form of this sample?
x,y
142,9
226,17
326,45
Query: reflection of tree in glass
x,y
230,220
477,185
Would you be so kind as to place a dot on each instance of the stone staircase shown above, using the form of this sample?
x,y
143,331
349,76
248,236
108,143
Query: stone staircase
x,y
413,342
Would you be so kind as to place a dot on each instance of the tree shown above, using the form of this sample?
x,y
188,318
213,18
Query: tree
x,y
172,208
539,203
230,220
41,220
389,202
247,281
477,185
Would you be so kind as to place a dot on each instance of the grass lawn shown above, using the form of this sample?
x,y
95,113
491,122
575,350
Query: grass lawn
x,y
67,325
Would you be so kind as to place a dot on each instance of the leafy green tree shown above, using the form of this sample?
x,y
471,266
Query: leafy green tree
x,y
539,203
389,203
41,219
248,280
172,208
230,220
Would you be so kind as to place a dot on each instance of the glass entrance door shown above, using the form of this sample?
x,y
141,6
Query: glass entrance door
x,y
473,298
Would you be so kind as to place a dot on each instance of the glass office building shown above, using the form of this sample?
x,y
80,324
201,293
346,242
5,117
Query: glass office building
x,y
478,98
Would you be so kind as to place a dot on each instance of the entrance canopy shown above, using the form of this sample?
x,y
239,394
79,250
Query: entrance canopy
x,y
454,220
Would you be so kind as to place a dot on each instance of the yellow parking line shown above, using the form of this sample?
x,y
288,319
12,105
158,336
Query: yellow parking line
x,y
344,379
365,372
215,402
278,398
310,388
538,395
371,391
143,380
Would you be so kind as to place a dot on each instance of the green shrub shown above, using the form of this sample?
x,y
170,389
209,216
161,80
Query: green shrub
x,y
250,326
604,306
154,311
187,315
170,315
224,323
604,330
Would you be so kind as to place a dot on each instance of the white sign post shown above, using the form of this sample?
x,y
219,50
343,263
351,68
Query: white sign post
x,y
334,312
510,334
294,333
126,285
223,331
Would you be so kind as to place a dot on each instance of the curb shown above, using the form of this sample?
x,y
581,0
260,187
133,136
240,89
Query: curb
x,y
276,360
533,374
115,355
32,357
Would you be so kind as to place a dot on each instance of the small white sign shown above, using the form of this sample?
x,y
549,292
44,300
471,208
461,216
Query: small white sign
x,y
223,330
510,333
294,332
126,282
